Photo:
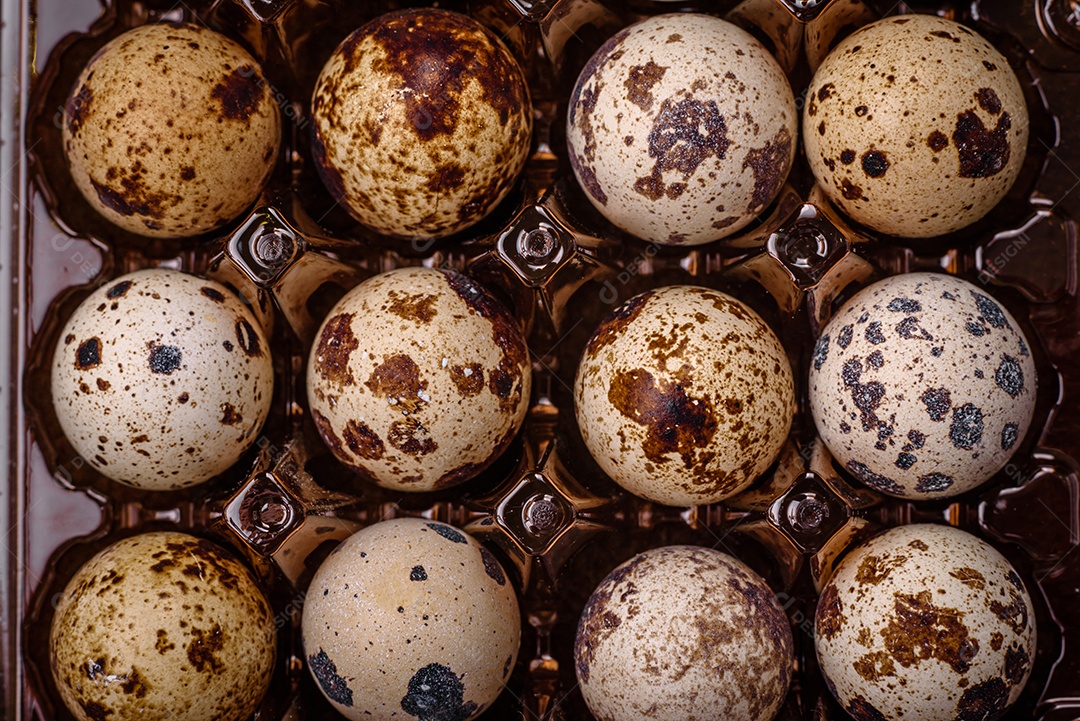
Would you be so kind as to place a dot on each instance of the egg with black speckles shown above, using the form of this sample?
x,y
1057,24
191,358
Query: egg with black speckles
x,y
411,618
656,631
915,126
922,386
161,379
171,130
681,129
927,622
162,626
422,122
684,395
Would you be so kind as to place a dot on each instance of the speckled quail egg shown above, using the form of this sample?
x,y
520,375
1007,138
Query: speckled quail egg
x,y
171,130
162,626
915,126
922,385
683,632
161,380
684,395
925,622
681,129
422,122
418,379
411,619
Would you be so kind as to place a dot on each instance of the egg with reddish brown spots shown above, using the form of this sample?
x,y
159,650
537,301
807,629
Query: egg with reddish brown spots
x,y
411,618
162,626
681,129
171,130
422,123
655,632
684,395
419,379
915,126
161,380
927,622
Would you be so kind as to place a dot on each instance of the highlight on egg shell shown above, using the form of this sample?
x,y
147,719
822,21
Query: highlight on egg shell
x,y
162,380
682,129
927,622
922,385
422,122
411,618
171,130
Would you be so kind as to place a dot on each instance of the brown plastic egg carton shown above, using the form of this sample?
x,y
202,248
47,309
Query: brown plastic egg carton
x,y
556,522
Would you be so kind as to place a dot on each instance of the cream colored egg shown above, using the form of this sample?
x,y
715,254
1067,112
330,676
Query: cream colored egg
x,y
681,129
683,632
162,626
418,379
171,130
922,385
162,380
915,126
411,619
684,395
925,622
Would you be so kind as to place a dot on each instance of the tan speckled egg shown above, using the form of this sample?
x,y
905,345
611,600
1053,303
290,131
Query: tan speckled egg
x,y
418,379
171,130
681,129
921,386
162,626
684,395
411,619
915,126
422,122
161,380
925,622
683,632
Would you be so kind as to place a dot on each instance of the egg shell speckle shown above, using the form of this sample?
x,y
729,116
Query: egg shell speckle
x,y
411,616
682,632
922,386
171,130
162,626
915,126
684,395
682,129
161,380
925,622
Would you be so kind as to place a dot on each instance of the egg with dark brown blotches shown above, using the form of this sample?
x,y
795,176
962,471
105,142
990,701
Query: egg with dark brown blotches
x,y
422,123
171,130
162,626
162,380
915,126
684,395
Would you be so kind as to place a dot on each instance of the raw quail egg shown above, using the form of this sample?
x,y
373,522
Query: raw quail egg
x,y
161,380
171,130
418,379
681,129
683,632
925,622
422,122
162,626
684,395
411,619
922,385
915,126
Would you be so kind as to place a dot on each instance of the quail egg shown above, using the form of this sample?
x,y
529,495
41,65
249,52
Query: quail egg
x,y
161,380
171,130
925,622
915,126
162,626
410,618
922,385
